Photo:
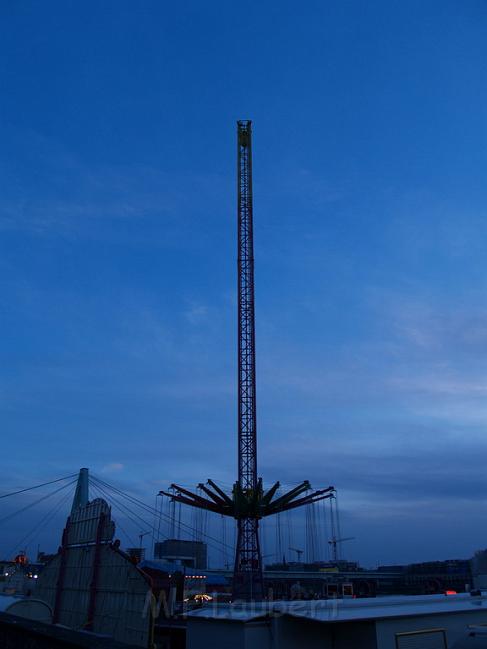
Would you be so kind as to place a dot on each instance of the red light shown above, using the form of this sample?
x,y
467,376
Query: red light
x,y
450,592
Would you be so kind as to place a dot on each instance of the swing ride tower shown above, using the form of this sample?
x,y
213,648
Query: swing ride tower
x,y
249,502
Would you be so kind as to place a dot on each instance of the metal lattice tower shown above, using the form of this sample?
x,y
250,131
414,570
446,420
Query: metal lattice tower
x,y
248,562
248,502
247,425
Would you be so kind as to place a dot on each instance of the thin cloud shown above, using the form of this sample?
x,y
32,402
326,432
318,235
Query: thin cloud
x,y
113,467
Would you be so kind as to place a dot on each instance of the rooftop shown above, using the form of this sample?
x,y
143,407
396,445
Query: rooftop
x,y
343,610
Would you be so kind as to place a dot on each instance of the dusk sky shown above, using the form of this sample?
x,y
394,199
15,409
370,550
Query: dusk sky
x,y
118,253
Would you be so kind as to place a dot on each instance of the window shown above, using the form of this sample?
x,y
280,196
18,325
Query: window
x,y
424,639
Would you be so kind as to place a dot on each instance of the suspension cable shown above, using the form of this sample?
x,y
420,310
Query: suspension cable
x,y
43,522
124,509
23,509
44,484
118,525
150,509
140,503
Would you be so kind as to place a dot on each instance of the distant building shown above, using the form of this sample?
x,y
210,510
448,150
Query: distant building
x,y
479,569
392,568
43,557
192,554
17,578
315,566
137,554
437,576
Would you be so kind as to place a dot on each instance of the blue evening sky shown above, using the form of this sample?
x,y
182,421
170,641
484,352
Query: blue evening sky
x,y
118,247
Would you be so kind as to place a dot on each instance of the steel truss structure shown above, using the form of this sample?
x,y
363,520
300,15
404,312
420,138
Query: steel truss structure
x,y
249,502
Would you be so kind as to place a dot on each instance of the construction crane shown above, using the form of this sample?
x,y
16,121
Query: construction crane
x,y
334,545
299,553
141,536
249,502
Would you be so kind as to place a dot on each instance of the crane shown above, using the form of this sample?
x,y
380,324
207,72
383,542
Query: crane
x,y
141,536
334,542
299,553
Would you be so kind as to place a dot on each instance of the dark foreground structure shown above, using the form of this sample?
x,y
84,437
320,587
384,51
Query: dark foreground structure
x,y
20,633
